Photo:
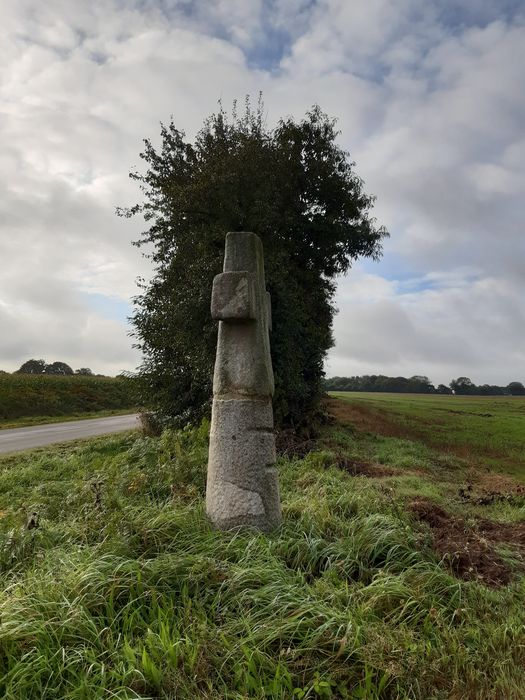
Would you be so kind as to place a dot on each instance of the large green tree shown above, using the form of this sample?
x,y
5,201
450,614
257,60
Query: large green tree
x,y
32,367
59,368
296,188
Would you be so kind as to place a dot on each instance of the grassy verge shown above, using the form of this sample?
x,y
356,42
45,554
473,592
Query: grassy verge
x,y
43,420
122,590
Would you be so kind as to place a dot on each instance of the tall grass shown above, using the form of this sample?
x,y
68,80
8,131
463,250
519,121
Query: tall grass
x,y
23,395
124,590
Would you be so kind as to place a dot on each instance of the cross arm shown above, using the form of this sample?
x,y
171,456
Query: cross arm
x,y
233,297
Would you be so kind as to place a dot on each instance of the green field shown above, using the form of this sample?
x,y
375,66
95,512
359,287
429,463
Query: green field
x,y
27,399
398,571
487,431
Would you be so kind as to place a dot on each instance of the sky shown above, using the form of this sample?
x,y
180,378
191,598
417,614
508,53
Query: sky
x,y
430,102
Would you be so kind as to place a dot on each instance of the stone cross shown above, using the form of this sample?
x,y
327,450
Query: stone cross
x,y
242,487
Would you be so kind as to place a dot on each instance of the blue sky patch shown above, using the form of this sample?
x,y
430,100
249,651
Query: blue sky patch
x,y
113,308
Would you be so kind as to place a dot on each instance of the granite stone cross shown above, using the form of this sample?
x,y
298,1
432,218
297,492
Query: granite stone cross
x,y
242,486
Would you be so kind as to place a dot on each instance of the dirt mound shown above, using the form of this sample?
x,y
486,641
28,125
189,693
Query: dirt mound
x,y
430,513
509,533
470,552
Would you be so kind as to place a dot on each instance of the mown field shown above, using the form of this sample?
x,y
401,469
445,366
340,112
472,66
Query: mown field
x,y
398,573
486,431
24,397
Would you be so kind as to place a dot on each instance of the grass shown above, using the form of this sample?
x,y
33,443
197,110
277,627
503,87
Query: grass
x,y
43,420
124,591
487,431
34,396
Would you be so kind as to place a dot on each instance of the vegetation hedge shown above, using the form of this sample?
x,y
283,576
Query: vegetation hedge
x,y
24,395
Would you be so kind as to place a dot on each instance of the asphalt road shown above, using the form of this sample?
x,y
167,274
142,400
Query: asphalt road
x,y
17,439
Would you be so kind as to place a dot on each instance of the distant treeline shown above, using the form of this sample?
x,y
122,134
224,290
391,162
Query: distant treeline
x,y
420,385
57,368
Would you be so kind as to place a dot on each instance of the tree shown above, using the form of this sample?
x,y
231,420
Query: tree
x,y
462,385
295,188
32,367
59,368
443,389
516,389
488,390
421,384
84,371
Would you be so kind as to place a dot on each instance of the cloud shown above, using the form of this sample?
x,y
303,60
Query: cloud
x,y
51,329
430,107
441,326
80,93
441,157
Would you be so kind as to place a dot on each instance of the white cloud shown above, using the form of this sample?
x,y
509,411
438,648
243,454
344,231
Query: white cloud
x,y
431,108
442,326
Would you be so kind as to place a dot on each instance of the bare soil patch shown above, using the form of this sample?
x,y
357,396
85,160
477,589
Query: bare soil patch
x,y
493,481
486,489
358,468
469,552
366,419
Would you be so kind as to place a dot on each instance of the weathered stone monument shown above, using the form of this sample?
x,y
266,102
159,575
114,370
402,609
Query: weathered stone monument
x,y
242,487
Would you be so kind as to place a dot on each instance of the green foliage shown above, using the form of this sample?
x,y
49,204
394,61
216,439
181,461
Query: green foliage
x,y
294,187
59,368
125,591
84,371
443,389
516,389
33,367
59,395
